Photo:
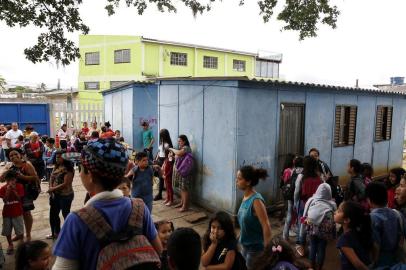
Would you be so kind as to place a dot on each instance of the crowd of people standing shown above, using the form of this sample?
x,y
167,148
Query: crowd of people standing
x,y
365,217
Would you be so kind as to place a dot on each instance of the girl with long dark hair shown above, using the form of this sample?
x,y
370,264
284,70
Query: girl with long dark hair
x,y
61,193
219,243
185,182
355,243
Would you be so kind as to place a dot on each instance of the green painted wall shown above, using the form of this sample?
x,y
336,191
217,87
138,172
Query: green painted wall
x,y
151,63
147,60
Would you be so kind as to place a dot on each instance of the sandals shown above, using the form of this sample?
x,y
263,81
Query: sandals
x,y
300,250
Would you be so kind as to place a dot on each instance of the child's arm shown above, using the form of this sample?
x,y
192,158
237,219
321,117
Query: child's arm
x,y
208,255
51,158
350,254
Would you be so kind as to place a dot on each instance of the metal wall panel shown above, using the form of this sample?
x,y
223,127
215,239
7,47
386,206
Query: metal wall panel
x,y
364,138
257,112
398,131
145,108
127,112
191,124
319,123
168,110
219,147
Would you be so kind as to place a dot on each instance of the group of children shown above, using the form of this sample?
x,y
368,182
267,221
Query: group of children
x,y
370,231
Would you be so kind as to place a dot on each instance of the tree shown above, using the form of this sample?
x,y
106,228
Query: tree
x,y
59,16
3,84
42,87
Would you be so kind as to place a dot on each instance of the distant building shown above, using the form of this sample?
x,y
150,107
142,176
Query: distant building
x,y
397,84
109,61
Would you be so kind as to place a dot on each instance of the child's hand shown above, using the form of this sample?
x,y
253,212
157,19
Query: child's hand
x,y
213,238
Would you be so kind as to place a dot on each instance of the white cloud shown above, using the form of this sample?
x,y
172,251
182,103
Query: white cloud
x,y
368,43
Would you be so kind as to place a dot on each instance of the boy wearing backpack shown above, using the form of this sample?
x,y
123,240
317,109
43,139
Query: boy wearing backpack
x,y
109,224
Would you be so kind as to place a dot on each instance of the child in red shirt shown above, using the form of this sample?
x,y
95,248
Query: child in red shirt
x,y
12,194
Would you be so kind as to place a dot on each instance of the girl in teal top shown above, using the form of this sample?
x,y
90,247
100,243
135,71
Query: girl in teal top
x,y
252,217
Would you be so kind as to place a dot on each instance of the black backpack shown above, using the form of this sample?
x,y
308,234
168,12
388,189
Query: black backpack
x,y
288,189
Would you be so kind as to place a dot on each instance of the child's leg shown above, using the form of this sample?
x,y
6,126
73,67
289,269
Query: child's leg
x,y
321,252
18,225
313,249
53,216
288,220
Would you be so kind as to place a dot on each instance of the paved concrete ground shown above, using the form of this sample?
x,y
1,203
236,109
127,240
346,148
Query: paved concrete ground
x,y
160,211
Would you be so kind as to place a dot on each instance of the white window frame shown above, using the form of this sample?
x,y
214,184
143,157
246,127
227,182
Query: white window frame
x,y
239,65
210,62
178,59
122,56
89,87
92,58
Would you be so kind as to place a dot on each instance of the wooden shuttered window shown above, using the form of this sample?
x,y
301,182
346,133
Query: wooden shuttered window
x,y
345,125
383,124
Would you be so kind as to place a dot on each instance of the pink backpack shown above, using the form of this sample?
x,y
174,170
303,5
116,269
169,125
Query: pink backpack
x,y
124,249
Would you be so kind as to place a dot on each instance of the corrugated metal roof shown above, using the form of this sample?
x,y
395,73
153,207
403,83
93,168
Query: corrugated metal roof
x,y
127,84
287,83
392,88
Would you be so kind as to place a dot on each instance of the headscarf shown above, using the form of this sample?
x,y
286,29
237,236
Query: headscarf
x,y
319,205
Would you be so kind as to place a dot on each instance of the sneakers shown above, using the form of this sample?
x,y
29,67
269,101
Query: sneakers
x,y
2,163
292,233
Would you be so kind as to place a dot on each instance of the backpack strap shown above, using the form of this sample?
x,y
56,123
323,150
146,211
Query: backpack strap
x,y
95,221
137,214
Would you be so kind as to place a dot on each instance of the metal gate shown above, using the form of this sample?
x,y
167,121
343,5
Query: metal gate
x,y
291,131
36,115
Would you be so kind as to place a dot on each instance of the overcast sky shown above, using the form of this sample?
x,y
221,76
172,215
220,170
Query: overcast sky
x,y
368,44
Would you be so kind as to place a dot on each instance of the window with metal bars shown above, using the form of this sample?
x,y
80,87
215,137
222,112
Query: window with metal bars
x,y
345,125
122,56
210,62
383,124
178,59
92,85
92,58
238,65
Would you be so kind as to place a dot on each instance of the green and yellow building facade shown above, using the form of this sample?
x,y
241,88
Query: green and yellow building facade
x,y
108,61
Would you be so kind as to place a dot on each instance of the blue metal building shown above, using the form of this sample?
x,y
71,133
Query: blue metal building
x,y
127,106
232,122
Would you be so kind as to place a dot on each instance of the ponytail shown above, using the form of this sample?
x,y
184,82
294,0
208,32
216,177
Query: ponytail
x,y
252,174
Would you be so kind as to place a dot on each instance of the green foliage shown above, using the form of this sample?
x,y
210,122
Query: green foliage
x,y
3,83
18,89
59,16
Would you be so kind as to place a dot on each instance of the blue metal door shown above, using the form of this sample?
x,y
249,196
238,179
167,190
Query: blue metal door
x,y
36,115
